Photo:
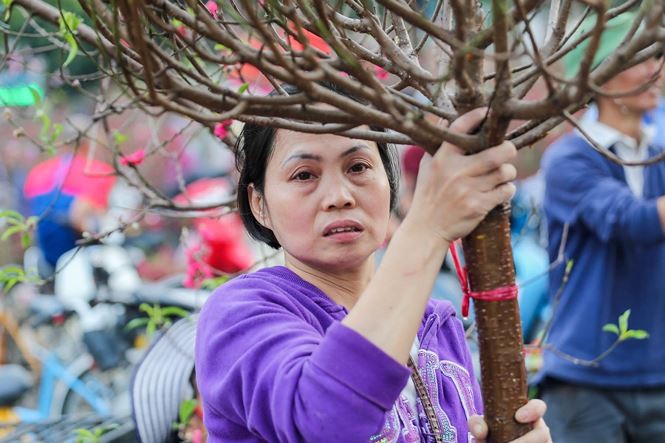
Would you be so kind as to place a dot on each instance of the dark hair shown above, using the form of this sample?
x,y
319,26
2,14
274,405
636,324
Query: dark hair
x,y
253,149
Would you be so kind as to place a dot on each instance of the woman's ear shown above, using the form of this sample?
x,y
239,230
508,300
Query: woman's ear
x,y
257,203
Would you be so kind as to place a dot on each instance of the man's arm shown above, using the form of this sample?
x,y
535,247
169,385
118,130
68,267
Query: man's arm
x,y
581,188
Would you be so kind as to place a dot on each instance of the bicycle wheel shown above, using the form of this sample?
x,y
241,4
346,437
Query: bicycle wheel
x,y
108,393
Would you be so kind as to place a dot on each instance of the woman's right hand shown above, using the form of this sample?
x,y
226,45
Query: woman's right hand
x,y
532,412
454,191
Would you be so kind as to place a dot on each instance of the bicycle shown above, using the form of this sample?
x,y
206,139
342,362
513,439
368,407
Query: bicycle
x,y
59,383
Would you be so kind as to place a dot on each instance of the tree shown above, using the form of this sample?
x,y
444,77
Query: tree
x,y
418,65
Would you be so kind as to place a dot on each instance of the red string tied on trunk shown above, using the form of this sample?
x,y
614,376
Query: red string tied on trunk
x,y
499,294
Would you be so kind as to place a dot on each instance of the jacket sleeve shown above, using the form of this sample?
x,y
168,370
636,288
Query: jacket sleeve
x,y
580,187
261,364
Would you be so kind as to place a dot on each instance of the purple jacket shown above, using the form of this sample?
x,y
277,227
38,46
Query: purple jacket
x,y
274,363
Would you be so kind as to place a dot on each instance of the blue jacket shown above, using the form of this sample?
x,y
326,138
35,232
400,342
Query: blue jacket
x,y
55,234
617,243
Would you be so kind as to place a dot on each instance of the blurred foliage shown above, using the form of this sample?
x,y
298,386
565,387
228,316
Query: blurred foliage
x,y
55,59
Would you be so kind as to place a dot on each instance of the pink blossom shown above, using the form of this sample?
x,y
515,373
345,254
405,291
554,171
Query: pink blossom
x,y
133,159
222,129
380,73
197,269
212,7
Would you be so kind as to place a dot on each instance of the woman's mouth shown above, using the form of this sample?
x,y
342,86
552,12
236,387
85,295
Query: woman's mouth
x,y
343,230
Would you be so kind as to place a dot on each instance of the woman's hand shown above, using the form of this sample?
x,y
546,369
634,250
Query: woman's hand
x,y
454,191
532,412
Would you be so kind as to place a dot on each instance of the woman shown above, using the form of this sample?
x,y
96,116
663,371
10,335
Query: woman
x,y
318,350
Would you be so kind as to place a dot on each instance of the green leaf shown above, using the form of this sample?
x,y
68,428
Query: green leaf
x,y
623,321
46,124
26,239
11,231
84,433
220,47
11,270
119,137
637,334
150,329
611,328
11,214
243,88
136,323
174,310
9,284
7,4
101,430
69,23
73,49
31,221
36,96
145,307
186,411
214,283
57,130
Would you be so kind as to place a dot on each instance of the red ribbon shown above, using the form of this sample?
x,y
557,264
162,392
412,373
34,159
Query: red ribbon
x,y
498,294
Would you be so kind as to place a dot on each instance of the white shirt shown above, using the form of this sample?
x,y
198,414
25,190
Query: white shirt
x,y
625,147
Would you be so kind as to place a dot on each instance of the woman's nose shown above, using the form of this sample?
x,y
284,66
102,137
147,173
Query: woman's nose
x,y
338,195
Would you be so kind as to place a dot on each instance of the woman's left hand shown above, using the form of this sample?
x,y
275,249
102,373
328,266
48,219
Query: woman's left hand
x,y
532,412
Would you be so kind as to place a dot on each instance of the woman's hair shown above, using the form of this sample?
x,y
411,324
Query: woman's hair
x,y
253,150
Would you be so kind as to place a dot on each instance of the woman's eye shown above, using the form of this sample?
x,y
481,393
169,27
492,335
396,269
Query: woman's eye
x,y
303,176
359,167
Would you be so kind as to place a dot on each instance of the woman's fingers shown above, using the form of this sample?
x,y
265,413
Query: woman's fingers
x,y
490,159
531,411
424,169
539,434
501,194
455,191
464,124
503,174
469,121
478,428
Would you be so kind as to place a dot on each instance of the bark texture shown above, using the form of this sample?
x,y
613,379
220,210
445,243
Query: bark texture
x,y
489,258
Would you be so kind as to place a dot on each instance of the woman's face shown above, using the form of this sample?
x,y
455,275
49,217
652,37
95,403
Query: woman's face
x,y
326,198
634,77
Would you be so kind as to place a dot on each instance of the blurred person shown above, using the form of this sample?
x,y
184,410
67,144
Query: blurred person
x,y
69,193
654,119
612,220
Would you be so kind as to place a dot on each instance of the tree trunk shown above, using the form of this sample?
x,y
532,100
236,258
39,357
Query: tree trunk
x,y
488,255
